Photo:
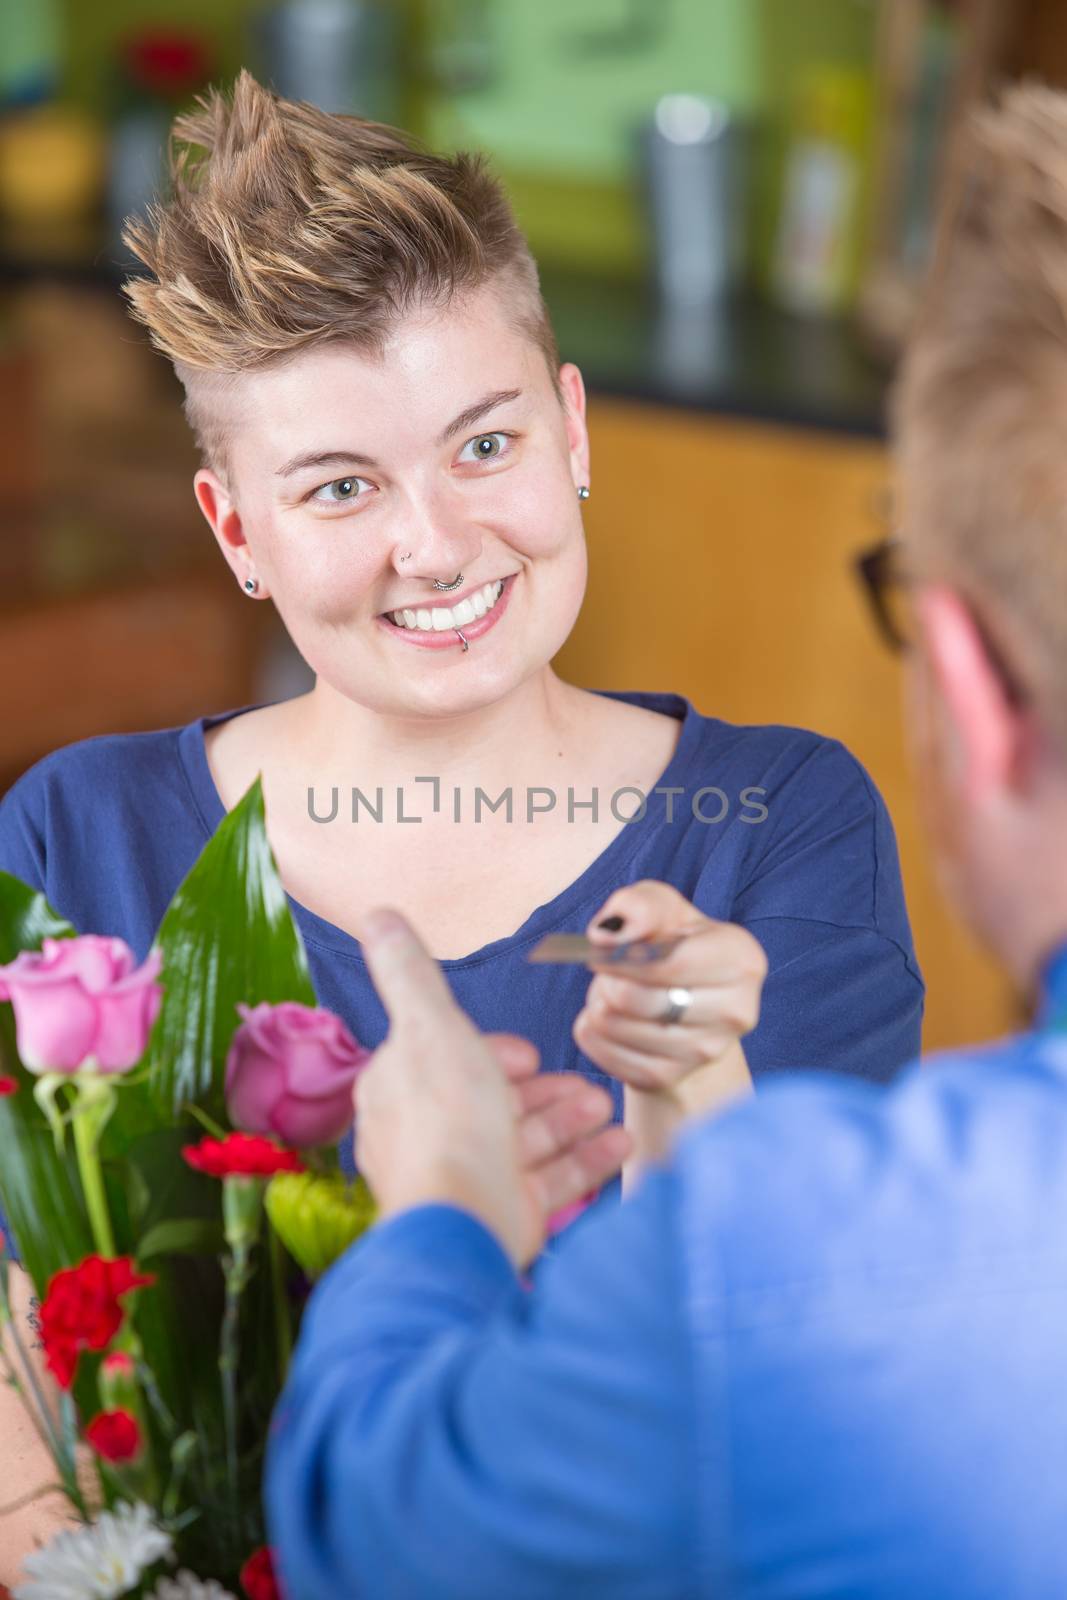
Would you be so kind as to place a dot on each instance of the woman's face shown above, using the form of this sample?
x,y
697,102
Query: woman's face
x,y
452,450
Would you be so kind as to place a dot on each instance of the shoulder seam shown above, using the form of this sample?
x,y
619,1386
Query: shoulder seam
x,y
845,927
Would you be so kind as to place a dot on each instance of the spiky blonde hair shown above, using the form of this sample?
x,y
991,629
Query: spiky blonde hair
x,y
980,409
288,227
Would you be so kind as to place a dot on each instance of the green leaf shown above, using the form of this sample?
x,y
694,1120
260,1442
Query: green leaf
x,y
39,1189
227,936
26,919
186,1236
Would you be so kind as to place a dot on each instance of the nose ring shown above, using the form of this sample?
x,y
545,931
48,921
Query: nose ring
x,y
448,587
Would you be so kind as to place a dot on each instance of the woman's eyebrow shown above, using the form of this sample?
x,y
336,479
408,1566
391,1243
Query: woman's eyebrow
x,y
325,458
473,413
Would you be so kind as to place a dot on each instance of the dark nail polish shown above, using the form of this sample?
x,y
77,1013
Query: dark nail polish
x,y
612,924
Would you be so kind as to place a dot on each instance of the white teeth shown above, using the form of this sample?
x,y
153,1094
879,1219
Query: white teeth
x,y
441,618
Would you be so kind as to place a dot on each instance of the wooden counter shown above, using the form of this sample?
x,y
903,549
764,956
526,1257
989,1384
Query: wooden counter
x,y
720,568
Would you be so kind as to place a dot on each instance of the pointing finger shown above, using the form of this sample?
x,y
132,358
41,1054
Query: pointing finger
x,y
409,982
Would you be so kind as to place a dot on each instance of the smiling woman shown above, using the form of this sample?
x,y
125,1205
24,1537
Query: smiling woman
x,y
384,421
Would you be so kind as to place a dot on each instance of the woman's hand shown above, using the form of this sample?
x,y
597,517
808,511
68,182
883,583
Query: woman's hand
x,y
671,1069
448,1115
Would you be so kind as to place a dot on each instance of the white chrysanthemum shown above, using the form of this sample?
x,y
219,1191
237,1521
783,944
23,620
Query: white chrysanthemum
x,y
187,1586
99,1562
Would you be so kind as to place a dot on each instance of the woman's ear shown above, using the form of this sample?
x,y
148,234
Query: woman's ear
x,y
573,391
987,730
224,520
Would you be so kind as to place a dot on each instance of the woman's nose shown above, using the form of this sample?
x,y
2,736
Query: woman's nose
x,y
433,542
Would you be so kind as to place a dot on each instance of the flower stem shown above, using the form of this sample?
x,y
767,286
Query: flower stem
x,y
237,1276
92,1180
157,1404
283,1327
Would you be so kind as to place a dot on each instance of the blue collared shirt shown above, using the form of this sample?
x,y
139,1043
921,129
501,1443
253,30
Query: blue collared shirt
x,y
822,1353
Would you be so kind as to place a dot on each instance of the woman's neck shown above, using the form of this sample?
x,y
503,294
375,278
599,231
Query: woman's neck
x,y
531,737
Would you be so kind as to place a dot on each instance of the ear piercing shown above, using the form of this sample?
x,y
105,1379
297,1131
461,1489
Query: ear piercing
x,y
583,492
251,584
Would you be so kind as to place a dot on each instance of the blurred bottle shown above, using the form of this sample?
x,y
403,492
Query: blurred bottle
x,y
815,256
340,55
158,71
694,196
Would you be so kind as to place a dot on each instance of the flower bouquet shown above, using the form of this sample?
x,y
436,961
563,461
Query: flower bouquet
x,y
169,1180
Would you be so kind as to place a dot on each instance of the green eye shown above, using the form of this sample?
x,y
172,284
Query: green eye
x,y
484,448
341,489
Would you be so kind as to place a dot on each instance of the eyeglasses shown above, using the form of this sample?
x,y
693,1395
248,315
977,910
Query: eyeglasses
x,y
888,590
889,587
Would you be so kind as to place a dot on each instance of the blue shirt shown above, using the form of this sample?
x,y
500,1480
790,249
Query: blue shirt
x,y
821,1354
109,827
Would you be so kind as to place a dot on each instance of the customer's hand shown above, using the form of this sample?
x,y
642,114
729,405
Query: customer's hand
x,y
448,1115
682,1068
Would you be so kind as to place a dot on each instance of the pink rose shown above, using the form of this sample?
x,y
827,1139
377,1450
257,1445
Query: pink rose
x,y
82,1005
290,1073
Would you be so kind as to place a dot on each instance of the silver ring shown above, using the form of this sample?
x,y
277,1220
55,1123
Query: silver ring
x,y
678,1003
456,581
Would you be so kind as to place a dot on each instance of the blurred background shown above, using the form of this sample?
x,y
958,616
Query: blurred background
x,y
733,205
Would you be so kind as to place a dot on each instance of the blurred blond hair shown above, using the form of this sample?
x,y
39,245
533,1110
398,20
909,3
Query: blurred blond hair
x,y
980,407
288,227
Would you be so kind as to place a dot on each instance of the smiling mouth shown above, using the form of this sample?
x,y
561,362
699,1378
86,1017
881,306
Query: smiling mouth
x,y
442,619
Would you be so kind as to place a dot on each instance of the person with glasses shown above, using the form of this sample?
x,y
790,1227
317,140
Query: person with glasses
x,y
822,1349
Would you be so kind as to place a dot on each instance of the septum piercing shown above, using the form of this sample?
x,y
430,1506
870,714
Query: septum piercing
x,y
448,587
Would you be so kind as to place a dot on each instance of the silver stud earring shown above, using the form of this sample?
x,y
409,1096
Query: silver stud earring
x,y
583,492
251,584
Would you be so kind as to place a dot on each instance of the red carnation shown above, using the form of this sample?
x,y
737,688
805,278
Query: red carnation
x,y
241,1155
8,1085
258,1578
115,1436
81,1310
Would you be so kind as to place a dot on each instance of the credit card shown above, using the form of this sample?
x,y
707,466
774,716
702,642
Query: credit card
x,y
576,948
